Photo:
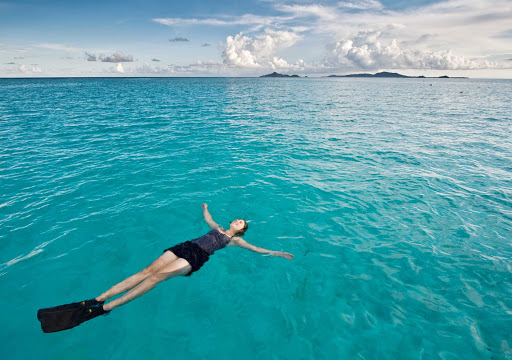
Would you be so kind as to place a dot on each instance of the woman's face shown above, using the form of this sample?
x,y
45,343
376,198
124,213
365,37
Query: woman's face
x,y
238,224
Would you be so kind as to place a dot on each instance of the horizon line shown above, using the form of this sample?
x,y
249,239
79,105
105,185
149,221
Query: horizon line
x,y
235,77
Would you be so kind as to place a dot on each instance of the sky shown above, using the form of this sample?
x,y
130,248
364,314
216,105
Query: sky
x,y
40,38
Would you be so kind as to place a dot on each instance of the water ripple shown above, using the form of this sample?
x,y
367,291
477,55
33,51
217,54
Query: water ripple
x,y
395,197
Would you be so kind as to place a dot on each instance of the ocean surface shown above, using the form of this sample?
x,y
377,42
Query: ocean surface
x,y
394,195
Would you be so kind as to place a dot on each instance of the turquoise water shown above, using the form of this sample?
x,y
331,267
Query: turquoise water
x,y
394,196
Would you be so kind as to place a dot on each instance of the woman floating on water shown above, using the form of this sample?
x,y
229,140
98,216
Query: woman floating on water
x,y
181,259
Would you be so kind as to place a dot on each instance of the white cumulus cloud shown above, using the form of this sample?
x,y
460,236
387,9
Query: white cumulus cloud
x,y
260,51
370,50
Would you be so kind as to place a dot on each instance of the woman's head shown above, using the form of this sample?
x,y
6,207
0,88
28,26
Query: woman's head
x,y
239,226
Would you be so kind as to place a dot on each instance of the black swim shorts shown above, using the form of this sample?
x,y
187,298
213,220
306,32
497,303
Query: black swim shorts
x,y
191,252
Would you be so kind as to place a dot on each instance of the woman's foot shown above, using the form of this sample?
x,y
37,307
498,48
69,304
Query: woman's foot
x,y
91,303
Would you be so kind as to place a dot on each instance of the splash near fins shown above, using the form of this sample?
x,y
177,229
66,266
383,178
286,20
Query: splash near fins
x,y
67,318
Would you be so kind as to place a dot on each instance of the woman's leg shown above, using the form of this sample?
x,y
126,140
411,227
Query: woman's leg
x,y
163,260
176,268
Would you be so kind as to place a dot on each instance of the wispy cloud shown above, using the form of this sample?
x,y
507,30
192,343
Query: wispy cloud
x,y
14,49
206,63
507,34
361,4
247,19
58,47
161,70
179,39
207,67
325,13
453,20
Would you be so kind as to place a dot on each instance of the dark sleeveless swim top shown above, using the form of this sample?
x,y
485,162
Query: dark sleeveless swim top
x,y
212,241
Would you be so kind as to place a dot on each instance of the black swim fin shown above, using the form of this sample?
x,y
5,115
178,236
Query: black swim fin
x,y
58,320
77,305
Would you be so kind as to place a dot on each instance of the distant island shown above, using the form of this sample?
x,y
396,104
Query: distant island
x,y
386,74
383,74
274,74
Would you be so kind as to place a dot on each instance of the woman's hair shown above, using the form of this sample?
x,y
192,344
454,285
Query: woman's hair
x,y
244,229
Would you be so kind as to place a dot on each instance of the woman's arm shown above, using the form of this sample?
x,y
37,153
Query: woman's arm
x,y
208,217
238,241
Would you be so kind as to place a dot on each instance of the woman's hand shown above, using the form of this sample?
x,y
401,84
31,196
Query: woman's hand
x,y
204,206
283,255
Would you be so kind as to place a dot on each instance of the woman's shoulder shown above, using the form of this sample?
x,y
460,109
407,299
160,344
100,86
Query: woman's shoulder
x,y
219,230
